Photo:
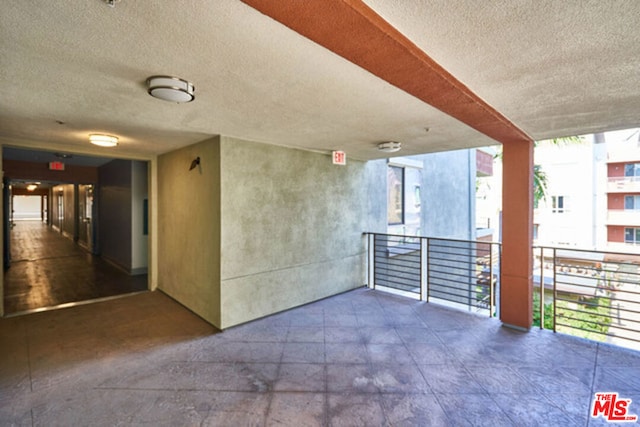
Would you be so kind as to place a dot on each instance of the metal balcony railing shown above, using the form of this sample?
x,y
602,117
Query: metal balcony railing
x,y
592,294
461,273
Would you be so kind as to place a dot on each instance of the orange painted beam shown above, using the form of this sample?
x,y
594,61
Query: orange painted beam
x,y
356,32
516,289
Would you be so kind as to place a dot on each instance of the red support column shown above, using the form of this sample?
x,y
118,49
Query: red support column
x,y
517,230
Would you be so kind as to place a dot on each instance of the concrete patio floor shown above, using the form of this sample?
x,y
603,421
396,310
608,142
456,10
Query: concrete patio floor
x,y
361,358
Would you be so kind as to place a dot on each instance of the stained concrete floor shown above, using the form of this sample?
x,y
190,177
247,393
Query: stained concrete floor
x,y
48,269
361,358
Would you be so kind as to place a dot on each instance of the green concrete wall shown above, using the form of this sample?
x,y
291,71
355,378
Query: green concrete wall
x,y
189,228
292,224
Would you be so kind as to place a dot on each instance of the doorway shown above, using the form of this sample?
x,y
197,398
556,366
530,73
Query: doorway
x,y
71,242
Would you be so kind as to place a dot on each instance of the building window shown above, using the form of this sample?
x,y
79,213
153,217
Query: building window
x,y
632,169
395,195
559,204
632,202
535,231
632,235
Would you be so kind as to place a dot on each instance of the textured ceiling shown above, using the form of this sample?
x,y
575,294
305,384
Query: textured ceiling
x,y
553,68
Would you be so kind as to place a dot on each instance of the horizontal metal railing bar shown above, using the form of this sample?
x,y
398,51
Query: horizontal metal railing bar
x,y
452,262
587,263
404,287
468,254
593,264
610,316
432,239
404,262
454,267
462,245
387,254
399,268
436,278
605,277
582,329
603,333
409,278
603,296
462,293
459,270
595,288
389,250
577,302
401,282
392,260
456,278
399,262
387,266
564,249
456,298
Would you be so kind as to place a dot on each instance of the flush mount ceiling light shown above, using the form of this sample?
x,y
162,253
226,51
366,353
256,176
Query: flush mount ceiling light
x,y
390,146
103,140
170,89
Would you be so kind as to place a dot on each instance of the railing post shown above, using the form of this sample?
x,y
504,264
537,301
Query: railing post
x,y
541,308
371,261
491,296
555,295
424,272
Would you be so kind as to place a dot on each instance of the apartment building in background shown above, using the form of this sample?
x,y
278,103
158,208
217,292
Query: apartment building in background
x,y
593,193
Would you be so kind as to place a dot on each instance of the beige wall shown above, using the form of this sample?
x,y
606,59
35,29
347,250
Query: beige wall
x,y
292,226
259,229
189,228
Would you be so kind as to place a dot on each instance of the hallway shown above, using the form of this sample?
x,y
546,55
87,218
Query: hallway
x,y
48,270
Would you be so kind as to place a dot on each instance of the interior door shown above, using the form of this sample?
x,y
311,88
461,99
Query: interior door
x,y
85,217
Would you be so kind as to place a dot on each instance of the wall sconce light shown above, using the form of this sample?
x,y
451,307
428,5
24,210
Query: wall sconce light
x,y
172,89
194,163
103,140
390,146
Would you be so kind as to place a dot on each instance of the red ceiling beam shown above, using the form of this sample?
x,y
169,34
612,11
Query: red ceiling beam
x,y
354,31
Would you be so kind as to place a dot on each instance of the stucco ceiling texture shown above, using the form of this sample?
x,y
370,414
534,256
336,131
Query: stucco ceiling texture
x,y
549,68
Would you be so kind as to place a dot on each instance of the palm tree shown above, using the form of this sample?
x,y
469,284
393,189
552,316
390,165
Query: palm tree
x,y
539,176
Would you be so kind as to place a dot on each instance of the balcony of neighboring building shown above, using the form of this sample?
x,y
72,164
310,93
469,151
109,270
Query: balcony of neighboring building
x,y
623,238
623,217
623,177
623,210
484,163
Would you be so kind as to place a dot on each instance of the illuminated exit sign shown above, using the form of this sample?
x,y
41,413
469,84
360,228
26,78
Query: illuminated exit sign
x,y
56,166
339,158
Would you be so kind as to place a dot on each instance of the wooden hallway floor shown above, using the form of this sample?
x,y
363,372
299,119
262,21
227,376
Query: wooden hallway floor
x,y
48,270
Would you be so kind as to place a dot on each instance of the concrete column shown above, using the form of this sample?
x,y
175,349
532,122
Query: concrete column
x,y
517,229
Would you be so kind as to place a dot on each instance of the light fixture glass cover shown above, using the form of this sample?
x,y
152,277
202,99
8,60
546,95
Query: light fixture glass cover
x,y
103,140
390,146
172,89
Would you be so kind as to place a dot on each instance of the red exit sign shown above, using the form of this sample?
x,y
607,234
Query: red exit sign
x,y
56,166
339,158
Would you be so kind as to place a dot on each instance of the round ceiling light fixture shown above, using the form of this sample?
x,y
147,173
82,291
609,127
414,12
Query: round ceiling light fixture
x,y
172,89
390,146
103,140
